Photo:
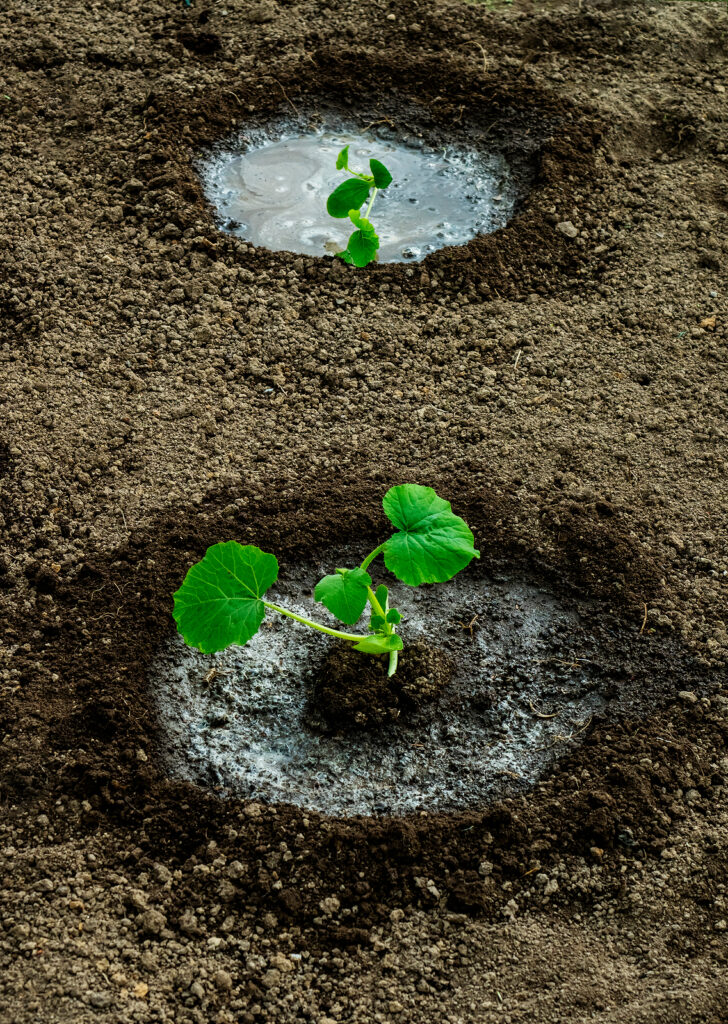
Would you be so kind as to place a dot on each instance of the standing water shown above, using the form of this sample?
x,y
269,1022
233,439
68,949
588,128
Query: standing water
x,y
272,192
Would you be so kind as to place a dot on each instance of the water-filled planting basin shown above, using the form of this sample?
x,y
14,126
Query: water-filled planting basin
x,y
270,188
528,676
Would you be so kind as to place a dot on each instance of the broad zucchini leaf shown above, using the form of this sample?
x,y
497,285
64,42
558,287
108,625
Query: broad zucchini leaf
x,y
219,602
378,644
382,177
349,195
433,544
344,593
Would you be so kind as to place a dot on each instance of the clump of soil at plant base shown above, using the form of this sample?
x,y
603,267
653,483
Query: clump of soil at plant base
x,y
568,385
352,691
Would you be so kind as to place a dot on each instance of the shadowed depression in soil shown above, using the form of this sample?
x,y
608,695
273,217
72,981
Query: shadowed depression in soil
x,y
527,677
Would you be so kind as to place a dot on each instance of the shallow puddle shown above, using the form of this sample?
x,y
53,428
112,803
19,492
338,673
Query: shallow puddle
x,y
528,679
271,189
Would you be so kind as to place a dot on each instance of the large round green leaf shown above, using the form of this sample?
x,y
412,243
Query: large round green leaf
x,y
219,602
344,593
433,544
349,195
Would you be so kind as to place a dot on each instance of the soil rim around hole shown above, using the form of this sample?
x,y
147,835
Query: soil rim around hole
x,y
529,255
98,730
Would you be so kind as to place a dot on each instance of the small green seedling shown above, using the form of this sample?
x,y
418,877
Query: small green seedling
x,y
220,602
348,199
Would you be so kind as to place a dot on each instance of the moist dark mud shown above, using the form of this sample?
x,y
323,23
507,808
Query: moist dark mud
x,y
351,692
549,143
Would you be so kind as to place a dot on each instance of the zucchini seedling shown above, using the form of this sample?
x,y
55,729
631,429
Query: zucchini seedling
x,y
221,603
347,200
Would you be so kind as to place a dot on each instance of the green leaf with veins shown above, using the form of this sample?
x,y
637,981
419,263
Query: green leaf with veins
x,y
433,544
364,242
344,593
219,602
345,255
378,644
393,616
349,195
342,160
382,177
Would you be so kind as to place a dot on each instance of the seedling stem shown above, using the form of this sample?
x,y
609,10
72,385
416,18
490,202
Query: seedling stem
x,y
221,599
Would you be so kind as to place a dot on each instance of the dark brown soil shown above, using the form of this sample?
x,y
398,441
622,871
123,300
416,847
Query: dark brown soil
x,y
353,691
165,386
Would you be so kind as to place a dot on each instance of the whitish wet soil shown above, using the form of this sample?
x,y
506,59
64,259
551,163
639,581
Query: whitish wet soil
x,y
270,188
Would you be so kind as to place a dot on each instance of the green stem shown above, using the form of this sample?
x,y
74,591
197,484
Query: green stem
x,y
371,203
315,625
370,558
393,659
364,177
376,606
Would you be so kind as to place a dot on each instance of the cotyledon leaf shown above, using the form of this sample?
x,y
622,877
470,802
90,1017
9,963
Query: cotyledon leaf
x,y
378,644
382,177
219,602
433,544
344,593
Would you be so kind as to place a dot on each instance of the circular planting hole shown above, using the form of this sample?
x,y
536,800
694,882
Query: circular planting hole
x,y
504,677
270,188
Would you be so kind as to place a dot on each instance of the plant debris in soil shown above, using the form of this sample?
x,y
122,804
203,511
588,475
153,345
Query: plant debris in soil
x,y
165,385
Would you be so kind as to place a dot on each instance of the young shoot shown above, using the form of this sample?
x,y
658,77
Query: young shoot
x,y
348,199
221,601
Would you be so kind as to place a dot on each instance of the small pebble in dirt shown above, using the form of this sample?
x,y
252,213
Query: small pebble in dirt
x,y
223,981
567,228
153,921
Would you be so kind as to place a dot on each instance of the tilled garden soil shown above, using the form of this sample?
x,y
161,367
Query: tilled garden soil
x,y
165,386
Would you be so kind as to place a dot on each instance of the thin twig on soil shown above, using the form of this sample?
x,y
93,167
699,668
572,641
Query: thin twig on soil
x,y
469,625
485,57
286,97
560,738
541,714
382,120
644,621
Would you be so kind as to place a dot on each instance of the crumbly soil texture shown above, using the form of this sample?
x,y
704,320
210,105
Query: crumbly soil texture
x,y
165,385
